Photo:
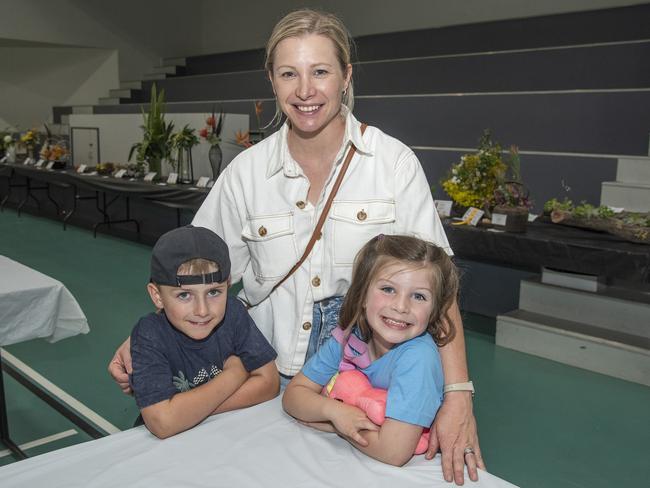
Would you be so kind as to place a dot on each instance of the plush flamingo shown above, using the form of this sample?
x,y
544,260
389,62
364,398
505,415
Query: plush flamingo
x,y
353,388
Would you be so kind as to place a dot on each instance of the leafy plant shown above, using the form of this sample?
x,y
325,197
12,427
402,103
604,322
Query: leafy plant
x,y
555,204
155,144
184,140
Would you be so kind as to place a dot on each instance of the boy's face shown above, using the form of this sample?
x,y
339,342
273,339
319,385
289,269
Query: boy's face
x,y
195,310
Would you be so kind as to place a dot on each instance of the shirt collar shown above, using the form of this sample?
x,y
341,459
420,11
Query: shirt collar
x,y
281,158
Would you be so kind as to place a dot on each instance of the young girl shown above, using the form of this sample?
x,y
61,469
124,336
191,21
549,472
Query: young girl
x,y
393,315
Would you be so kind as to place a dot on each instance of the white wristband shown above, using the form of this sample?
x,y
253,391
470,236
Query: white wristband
x,y
468,386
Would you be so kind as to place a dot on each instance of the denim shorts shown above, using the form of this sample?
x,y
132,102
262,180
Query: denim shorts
x,y
325,317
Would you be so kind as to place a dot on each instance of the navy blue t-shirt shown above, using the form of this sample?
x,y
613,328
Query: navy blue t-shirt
x,y
166,361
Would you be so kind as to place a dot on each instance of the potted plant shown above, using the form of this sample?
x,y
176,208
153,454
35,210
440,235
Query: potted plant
x,y
472,181
212,134
183,142
155,145
511,197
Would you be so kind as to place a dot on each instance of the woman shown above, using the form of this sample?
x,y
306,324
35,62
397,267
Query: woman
x,y
266,204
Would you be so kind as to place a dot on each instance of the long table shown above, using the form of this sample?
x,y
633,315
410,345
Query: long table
x,y
33,305
254,447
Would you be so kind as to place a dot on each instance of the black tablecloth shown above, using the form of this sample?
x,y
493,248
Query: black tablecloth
x,y
554,246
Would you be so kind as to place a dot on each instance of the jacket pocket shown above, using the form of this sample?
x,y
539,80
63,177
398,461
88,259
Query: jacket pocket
x,y
272,245
356,222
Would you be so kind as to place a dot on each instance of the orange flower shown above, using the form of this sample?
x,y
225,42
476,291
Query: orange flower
x,y
210,121
243,139
258,108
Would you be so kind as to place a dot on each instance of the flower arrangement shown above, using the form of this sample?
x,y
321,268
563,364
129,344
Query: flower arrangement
x,y
212,133
29,139
511,192
182,142
7,141
473,181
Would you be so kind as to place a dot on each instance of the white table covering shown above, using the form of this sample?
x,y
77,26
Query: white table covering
x,y
33,305
256,447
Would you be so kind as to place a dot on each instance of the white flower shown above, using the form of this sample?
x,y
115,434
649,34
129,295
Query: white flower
x,y
455,180
8,139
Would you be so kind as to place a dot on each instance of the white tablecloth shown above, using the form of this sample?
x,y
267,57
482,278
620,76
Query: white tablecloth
x,y
33,305
256,447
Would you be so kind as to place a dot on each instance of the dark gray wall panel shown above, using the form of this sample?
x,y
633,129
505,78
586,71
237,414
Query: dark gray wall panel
x,y
597,123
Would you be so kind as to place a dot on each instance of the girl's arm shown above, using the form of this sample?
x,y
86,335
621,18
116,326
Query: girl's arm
x,y
302,400
394,443
185,410
262,385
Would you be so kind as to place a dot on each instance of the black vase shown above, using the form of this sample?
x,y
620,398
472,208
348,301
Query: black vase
x,y
215,156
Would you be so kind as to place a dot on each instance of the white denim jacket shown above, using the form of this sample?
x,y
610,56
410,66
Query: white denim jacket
x,y
259,207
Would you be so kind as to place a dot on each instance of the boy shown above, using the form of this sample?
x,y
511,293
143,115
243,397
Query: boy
x,y
201,353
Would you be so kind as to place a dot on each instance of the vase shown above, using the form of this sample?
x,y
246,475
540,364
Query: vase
x,y
185,170
516,218
10,152
154,165
215,156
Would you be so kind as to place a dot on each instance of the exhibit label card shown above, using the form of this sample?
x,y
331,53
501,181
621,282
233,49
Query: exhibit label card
x,y
3,160
82,168
202,182
119,173
150,176
50,165
443,207
172,178
471,217
499,219
39,163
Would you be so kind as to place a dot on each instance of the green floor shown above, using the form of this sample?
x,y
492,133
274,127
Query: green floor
x,y
542,424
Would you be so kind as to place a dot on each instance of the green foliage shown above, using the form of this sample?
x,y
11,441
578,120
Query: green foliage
x,y
184,139
555,204
155,144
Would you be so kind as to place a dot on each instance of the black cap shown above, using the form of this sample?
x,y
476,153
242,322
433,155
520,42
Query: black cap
x,y
181,245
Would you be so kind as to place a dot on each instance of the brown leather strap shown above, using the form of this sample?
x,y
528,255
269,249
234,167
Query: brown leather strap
x,y
323,216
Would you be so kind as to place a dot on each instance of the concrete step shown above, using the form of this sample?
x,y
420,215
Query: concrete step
x,y
633,170
65,119
634,197
154,76
614,354
167,70
608,308
82,109
121,93
109,101
173,62
131,84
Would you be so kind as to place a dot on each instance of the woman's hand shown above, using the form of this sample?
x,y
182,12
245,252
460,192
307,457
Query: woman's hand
x,y
453,430
349,421
120,366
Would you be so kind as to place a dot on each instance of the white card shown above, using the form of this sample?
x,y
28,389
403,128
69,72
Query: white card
x,y
532,217
82,168
28,161
119,173
202,182
499,219
443,207
473,216
39,163
210,183
172,178
50,165
3,160
150,176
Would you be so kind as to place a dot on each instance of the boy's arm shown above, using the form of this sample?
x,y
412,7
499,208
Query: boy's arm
x,y
302,400
185,410
262,385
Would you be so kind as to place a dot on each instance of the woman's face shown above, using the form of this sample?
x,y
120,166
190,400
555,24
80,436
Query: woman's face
x,y
308,82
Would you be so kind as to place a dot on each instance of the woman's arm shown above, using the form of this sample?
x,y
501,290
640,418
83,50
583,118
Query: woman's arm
x,y
185,410
302,400
262,385
454,427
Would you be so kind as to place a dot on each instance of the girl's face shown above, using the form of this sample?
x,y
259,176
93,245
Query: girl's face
x,y
399,304
308,82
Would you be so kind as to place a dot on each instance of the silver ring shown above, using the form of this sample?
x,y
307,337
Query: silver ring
x,y
468,450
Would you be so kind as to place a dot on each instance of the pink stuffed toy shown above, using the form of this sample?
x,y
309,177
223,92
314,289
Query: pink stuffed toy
x,y
353,388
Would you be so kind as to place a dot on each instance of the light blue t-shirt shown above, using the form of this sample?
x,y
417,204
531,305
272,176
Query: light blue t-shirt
x,y
410,371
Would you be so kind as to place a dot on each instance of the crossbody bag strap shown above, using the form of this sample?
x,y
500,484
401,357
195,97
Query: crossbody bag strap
x,y
323,216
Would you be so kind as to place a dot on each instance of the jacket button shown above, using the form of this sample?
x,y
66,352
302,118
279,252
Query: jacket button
x,y
315,281
262,231
306,326
300,204
361,215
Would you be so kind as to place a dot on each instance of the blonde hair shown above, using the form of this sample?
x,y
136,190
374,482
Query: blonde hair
x,y
383,250
197,266
306,21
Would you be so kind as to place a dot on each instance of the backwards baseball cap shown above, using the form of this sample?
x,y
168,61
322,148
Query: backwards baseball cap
x,y
183,244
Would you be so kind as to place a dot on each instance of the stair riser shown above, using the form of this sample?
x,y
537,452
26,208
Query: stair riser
x,y
588,308
633,170
601,356
632,198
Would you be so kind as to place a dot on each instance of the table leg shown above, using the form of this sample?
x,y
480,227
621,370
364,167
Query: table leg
x,y
4,423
